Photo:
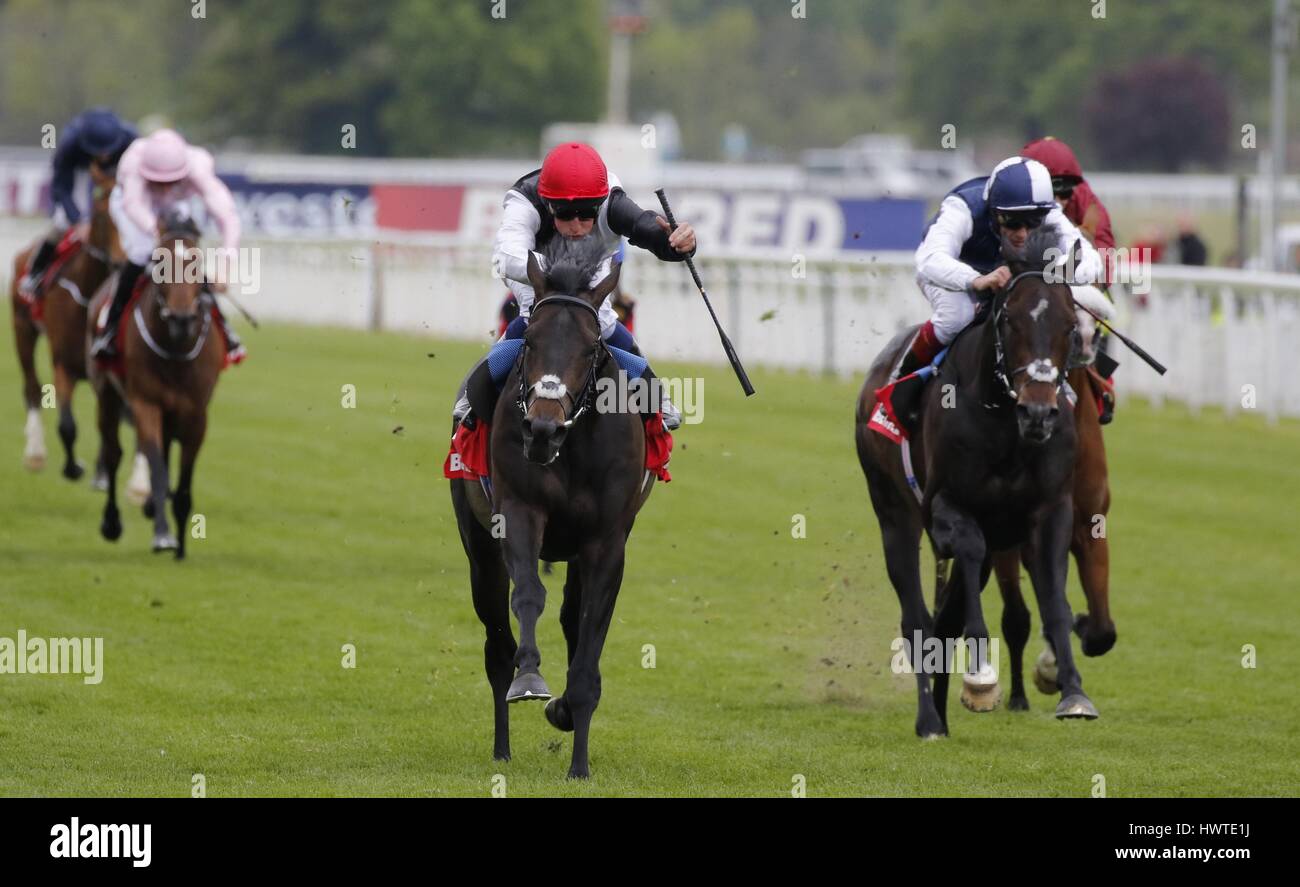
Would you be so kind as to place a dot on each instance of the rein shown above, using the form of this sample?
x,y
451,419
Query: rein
x,y
203,306
599,354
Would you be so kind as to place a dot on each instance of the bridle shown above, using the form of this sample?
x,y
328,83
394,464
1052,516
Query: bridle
x,y
203,309
999,353
599,354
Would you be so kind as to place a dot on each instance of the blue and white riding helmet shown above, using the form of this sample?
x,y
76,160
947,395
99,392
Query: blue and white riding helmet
x,y
1019,185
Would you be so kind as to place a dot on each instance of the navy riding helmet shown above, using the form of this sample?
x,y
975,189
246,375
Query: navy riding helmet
x,y
1019,185
101,132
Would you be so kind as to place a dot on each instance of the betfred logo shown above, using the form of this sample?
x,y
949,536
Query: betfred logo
x,y
881,424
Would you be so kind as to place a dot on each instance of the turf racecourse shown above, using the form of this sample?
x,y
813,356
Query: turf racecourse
x,y
329,526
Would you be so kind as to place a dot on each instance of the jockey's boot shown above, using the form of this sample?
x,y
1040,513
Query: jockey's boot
x,y
1104,366
40,261
479,390
235,351
105,346
906,397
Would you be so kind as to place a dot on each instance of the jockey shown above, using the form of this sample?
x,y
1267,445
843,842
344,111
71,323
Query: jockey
x,y
154,175
575,195
1082,207
960,258
95,136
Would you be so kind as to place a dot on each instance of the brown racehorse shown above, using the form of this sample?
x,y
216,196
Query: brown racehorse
x,y
173,356
64,305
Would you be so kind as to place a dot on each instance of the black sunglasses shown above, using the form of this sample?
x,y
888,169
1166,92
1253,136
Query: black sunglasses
x,y
1016,221
568,210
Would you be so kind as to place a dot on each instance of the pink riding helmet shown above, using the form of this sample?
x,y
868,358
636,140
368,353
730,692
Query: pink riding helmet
x,y
166,157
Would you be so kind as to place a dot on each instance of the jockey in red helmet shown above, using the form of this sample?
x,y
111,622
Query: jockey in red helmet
x,y
1082,207
575,195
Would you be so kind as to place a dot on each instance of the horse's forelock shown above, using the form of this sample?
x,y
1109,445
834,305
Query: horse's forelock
x,y
571,262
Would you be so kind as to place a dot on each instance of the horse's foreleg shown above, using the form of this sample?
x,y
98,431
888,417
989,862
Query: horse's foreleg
x,y
522,530
1015,622
63,383
25,335
148,426
1047,558
191,439
957,535
900,533
601,569
109,414
490,586
1090,546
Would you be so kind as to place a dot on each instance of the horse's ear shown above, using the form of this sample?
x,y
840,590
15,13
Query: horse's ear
x,y
606,286
535,276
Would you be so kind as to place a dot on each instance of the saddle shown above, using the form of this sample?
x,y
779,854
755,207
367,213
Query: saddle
x,y
68,246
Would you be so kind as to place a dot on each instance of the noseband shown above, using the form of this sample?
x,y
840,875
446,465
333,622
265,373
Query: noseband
x,y
999,353
599,354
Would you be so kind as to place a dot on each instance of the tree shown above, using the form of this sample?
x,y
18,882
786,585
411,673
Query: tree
x,y
1162,114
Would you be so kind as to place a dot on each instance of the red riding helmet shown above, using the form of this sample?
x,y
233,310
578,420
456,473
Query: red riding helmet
x,y
573,171
1056,156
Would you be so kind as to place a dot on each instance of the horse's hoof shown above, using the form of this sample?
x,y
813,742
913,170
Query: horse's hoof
x,y
1045,672
579,773
100,483
1094,642
74,470
557,712
930,727
526,687
164,542
1077,706
34,461
1018,703
148,509
981,697
180,553
502,756
111,527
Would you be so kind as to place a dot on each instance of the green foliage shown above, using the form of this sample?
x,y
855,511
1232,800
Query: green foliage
x,y
447,78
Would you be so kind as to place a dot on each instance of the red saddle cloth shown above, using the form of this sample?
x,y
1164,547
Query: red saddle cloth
x,y
883,421
468,457
68,247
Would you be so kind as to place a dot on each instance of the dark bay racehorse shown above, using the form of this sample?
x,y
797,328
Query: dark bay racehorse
x,y
567,483
994,457
1089,545
173,356
63,311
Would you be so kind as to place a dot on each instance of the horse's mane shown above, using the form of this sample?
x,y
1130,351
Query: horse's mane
x,y
570,263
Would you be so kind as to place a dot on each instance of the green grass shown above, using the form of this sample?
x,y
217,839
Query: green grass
x,y
327,526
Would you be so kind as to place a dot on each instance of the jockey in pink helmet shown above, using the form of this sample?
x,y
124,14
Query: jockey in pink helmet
x,y
155,174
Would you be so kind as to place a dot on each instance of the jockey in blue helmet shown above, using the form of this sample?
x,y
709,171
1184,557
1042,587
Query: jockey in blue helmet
x,y
94,136
960,259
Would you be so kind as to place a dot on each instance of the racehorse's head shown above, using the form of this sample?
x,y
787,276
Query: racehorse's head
x,y
181,294
1034,327
563,351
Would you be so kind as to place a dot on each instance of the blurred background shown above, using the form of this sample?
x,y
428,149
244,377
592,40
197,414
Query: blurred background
x,y
369,143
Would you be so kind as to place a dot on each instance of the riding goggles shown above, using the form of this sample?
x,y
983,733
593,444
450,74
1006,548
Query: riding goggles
x,y
1016,221
568,210
1063,186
